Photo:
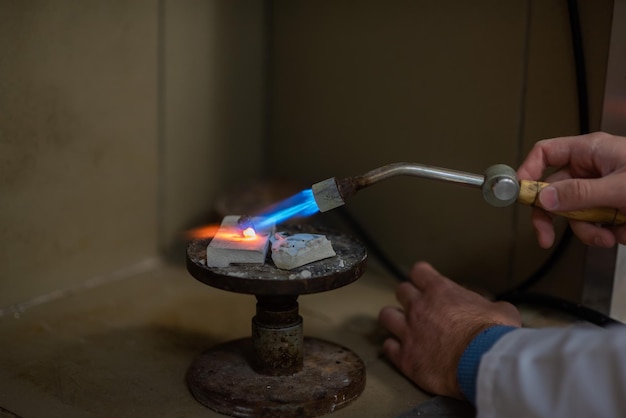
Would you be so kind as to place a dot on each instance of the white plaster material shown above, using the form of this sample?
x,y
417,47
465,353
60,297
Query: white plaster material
x,y
289,252
229,246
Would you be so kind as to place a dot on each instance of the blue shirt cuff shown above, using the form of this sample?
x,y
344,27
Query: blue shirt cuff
x,y
467,370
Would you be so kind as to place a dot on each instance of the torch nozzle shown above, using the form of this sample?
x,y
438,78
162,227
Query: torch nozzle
x,y
327,195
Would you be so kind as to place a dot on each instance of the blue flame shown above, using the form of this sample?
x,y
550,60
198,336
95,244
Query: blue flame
x,y
301,205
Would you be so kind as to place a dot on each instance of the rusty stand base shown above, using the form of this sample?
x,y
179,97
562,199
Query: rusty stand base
x,y
223,380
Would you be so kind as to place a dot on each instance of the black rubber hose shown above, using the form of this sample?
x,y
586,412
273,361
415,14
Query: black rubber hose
x,y
583,127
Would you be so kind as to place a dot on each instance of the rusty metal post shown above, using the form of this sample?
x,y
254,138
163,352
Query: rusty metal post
x,y
277,336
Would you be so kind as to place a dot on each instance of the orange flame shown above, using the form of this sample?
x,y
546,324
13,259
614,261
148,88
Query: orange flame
x,y
224,233
207,231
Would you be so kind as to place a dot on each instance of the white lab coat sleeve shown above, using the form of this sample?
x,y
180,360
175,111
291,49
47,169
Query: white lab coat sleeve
x,y
554,372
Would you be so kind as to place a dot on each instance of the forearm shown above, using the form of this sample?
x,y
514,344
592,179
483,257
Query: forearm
x,y
554,372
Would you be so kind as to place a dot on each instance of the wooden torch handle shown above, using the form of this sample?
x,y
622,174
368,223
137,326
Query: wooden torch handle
x,y
529,193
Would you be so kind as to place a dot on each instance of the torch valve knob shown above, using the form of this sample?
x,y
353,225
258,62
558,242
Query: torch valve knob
x,y
501,186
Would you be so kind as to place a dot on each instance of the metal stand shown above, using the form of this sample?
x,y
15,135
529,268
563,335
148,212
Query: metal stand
x,y
278,372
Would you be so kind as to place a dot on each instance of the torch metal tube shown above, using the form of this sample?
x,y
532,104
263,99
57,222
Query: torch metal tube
x,y
331,193
420,170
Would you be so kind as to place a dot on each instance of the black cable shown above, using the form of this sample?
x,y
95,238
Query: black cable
x,y
516,296
579,65
543,269
574,309
519,294
371,244
583,127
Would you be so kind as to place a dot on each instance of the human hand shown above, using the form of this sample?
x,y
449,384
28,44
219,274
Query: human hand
x,y
437,321
592,173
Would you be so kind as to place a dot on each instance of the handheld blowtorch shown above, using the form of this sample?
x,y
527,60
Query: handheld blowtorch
x,y
499,184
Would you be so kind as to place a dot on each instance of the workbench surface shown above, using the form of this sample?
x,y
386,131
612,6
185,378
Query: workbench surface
x,y
122,348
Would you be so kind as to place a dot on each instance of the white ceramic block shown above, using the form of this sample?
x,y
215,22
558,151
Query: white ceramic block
x,y
289,252
230,246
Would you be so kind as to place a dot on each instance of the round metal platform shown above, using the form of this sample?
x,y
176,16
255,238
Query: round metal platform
x,y
320,276
223,380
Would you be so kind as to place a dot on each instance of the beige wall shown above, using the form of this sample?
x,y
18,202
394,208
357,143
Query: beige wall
x,y
213,124
457,84
77,141
119,122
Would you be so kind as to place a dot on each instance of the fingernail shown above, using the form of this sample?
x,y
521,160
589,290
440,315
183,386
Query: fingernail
x,y
549,198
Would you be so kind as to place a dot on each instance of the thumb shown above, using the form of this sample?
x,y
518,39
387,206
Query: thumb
x,y
578,194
